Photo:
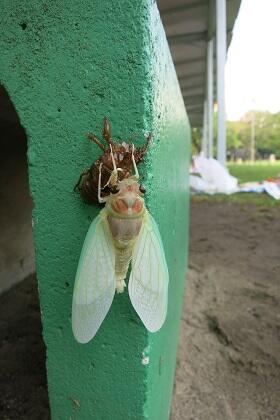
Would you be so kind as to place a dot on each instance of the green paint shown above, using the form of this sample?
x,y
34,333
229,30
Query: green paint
x,y
65,66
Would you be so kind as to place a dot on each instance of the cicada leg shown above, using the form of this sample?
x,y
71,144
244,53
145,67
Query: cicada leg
x,y
114,175
107,131
136,175
140,153
80,179
100,199
92,137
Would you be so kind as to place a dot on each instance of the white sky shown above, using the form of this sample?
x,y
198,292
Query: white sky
x,y
253,63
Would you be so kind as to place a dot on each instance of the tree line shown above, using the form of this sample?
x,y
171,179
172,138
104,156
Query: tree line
x,y
266,129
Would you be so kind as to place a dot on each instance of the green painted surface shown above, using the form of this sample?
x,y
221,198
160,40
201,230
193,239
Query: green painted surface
x,y
65,66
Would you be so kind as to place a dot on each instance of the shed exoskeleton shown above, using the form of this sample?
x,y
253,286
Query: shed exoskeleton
x,y
87,184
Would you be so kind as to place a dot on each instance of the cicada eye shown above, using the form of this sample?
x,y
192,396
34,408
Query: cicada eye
x,y
142,189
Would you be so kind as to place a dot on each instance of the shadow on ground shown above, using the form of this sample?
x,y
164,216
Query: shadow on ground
x,y
22,355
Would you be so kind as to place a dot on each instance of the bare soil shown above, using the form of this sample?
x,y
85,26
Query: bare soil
x,y
228,364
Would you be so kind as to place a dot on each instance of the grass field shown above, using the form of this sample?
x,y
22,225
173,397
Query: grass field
x,y
258,171
248,172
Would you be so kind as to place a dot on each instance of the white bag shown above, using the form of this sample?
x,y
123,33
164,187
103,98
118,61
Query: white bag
x,y
216,177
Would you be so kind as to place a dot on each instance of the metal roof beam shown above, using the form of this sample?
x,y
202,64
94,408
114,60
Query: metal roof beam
x,y
194,60
187,38
190,37
194,109
199,105
193,81
194,99
194,120
191,86
191,76
192,91
182,8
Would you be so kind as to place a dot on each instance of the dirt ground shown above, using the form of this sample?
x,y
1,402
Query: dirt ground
x,y
228,364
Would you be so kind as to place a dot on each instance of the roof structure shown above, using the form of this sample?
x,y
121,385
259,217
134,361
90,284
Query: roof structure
x,y
189,25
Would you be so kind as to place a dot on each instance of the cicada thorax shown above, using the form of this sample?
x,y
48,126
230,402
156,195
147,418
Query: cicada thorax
x,y
125,212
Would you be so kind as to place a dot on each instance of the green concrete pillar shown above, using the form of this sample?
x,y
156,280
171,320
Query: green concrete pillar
x,y
65,66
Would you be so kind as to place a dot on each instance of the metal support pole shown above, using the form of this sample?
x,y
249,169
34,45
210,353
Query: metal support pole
x,y
221,59
252,146
210,97
205,130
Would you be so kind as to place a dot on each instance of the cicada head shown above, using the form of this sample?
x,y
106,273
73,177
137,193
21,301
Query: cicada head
x,y
126,200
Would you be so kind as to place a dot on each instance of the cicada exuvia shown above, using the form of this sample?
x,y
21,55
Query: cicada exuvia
x,y
87,184
124,232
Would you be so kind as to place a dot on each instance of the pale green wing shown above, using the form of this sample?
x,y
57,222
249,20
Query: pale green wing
x,y
95,282
148,282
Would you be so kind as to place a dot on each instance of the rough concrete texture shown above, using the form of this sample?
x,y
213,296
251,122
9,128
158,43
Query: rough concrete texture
x,y
65,68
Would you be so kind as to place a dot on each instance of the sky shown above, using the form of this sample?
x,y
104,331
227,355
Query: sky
x,y
253,62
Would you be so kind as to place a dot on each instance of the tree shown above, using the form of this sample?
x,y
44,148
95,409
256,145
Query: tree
x,y
267,135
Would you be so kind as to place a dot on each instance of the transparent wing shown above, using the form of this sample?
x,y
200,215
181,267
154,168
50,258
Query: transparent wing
x,y
95,282
148,282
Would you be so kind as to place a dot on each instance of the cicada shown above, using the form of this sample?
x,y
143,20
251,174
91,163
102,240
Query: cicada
x,y
123,233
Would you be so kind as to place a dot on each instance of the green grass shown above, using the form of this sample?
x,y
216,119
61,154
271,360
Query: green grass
x,y
247,172
259,171
262,200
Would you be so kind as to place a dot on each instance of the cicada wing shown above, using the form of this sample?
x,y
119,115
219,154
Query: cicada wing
x,y
148,282
95,282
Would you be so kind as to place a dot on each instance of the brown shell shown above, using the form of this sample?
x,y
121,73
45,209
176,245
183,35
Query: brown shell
x,y
88,181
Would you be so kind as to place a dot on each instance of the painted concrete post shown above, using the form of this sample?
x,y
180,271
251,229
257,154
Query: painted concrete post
x,y
66,66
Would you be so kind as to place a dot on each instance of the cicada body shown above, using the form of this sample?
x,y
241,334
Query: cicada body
x,y
123,233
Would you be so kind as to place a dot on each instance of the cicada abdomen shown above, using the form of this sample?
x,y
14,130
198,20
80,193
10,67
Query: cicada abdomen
x,y
124,233
125,212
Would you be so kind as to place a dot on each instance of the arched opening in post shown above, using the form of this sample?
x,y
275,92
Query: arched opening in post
x,y
17,256
22,352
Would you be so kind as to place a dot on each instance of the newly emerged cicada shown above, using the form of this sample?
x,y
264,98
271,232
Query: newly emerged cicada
x,y
124,232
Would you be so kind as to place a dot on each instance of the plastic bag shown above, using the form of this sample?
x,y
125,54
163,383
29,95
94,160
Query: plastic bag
x,y
215,176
